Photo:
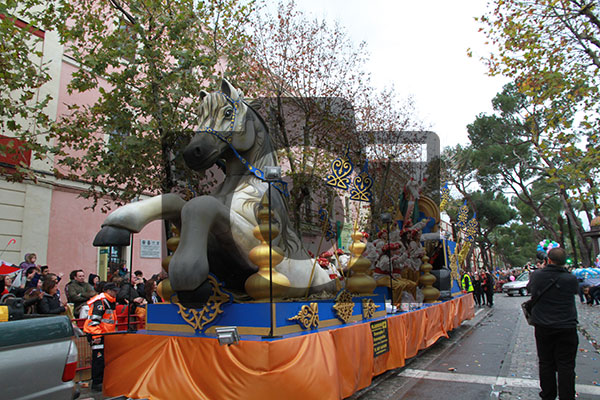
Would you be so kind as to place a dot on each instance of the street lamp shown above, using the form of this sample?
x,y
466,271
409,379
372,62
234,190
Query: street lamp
x,y
386,218
272,173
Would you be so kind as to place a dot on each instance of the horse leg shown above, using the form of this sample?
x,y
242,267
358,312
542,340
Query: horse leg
x,y
133,217
189,267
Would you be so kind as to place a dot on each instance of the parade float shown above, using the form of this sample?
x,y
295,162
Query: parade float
x,y
249,313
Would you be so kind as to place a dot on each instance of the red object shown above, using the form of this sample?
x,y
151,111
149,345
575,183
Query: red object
x,y
381,232
70,364
392,246
6,269
24,25
365,235
339,252
323,262
326,254
16,157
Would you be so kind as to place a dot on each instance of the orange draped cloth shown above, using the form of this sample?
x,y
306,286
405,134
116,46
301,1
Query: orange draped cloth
x,y
329,364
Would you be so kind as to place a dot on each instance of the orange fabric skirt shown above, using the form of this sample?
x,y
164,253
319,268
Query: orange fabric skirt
x,y
330,364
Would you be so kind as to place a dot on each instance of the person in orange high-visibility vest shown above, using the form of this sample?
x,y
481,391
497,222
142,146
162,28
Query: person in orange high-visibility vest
x,y
101,319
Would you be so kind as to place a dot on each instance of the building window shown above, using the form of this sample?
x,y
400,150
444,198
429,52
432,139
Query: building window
x,y
115,259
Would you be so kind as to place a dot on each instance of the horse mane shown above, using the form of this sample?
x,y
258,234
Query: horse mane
x,y
265,156
210,104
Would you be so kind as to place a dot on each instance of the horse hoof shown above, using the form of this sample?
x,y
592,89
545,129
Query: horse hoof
x,y
196,298
112,236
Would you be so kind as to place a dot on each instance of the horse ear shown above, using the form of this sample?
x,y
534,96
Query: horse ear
x,y
229,90
203,94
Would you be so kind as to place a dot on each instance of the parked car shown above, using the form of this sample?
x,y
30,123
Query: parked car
x,y
39,356
519,285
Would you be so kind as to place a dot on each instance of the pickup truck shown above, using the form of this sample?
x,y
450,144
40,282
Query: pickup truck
x,y
38,357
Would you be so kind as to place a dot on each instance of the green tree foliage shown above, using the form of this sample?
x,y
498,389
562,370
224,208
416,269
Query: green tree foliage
x,y
507,157
551,49
514,244
23,74
148,61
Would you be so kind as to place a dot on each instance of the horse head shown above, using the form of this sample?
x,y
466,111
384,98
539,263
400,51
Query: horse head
x,y
223,117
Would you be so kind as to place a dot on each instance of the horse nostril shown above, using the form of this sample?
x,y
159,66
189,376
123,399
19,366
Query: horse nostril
x,y
197,151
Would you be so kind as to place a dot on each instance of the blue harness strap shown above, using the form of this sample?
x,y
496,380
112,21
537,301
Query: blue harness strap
x,y
279,184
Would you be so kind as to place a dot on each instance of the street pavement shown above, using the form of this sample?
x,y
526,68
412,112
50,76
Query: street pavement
x,y
492,356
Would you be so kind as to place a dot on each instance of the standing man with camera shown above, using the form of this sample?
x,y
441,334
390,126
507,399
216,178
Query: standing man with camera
x,y
555,319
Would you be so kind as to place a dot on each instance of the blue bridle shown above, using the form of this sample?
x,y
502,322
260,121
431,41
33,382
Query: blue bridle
x,y
279,184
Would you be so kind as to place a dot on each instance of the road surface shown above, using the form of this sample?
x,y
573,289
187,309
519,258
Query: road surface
x,y
491,357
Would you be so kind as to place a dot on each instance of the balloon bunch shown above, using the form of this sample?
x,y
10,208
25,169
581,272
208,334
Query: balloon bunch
x,y
547,245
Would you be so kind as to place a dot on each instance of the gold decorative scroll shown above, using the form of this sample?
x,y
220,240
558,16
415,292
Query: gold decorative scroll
x,y
464,252
308,316
199,318
341,169
344,306
368,308
454,267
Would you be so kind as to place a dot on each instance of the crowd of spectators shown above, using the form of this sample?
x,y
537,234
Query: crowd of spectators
x,y
509,275
39,289
589,288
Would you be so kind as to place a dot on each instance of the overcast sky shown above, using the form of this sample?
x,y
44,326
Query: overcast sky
x,y
421,48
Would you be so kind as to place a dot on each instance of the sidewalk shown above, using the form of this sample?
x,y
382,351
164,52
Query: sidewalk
x,y
589,322
522,362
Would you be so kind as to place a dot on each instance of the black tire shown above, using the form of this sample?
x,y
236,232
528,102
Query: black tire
x,y
510,294
523,292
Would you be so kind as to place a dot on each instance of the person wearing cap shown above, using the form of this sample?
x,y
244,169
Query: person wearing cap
x,y
101,319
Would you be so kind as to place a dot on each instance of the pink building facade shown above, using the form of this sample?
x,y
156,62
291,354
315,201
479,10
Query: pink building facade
x,y
49,218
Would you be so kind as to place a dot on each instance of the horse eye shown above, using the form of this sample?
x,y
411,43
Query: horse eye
x,y
228,113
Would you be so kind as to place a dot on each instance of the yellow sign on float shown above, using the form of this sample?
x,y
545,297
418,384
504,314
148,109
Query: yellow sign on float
x,y
381,341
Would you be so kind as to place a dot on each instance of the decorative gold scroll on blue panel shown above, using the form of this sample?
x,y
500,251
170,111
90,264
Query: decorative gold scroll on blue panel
x,y
361,186
445,197
463,215
471,228
341,168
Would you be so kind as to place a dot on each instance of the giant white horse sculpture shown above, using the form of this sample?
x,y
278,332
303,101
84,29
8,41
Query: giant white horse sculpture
x,y
216,230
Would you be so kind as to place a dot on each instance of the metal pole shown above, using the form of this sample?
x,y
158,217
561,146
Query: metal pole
x,y
271,173
390,266
129,328
387,219
270,268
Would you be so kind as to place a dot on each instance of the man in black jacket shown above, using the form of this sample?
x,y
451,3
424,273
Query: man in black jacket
x,y
555,319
